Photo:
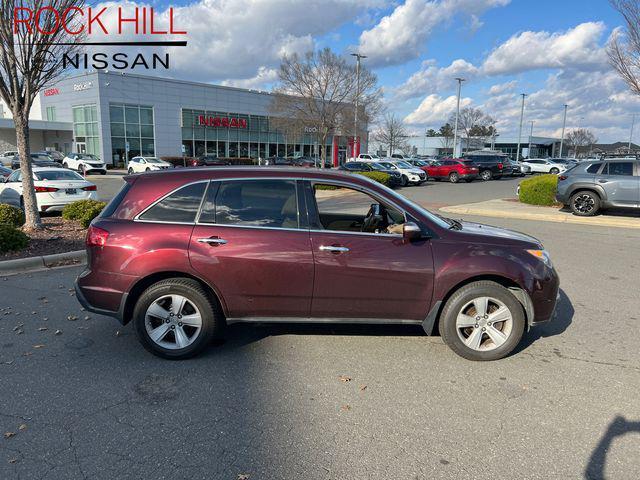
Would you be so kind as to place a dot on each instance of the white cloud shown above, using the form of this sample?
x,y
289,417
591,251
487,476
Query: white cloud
x,y
401,35
435,110
576,48
501,88
431,79
265,76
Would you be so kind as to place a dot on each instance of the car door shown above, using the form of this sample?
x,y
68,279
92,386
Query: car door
x,y
12,189
620,182
251,242
364,274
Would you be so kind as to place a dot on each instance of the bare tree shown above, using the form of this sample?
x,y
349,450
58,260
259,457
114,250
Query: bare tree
x,y
391,134
290,129
624,49
29,60
580,137
319,90
447,134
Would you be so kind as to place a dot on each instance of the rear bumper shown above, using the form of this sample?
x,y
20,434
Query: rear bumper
x,y
104,301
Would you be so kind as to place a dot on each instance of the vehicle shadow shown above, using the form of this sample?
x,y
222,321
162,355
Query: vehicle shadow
x,y
612,212
619,427
560,322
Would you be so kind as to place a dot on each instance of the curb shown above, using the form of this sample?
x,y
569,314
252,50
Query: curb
x,y
544,217
24,265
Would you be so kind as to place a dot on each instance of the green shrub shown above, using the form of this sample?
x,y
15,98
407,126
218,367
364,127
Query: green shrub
x,y
379,177
78,210
91,213
539,190
11,216
12,239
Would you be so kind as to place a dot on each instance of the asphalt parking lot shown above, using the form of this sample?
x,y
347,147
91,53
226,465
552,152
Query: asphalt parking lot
x,y
80,398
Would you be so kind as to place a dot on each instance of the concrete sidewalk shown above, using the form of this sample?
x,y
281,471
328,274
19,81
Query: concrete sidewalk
x,y
510,209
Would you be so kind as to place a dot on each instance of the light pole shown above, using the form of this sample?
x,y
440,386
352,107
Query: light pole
x,y
564,124
530,136
633,121
524,95
355,122
455,130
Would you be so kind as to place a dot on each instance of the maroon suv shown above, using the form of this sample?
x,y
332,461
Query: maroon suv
x,y
183,253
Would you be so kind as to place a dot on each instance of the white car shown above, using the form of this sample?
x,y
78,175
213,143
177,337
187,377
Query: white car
x,y
146,164
402,157
6,157
84,163
55,187
410,174
367,157
541,165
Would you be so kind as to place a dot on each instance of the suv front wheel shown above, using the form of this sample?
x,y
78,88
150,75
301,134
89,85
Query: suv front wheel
x,y
486,175
584,203
176,318
482,321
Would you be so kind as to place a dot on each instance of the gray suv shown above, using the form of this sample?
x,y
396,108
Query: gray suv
x,y
591,186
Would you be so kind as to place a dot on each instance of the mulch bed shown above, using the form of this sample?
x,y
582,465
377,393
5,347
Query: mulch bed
x,y
59,236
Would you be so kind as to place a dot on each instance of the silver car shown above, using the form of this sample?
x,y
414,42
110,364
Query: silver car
x,y
592,186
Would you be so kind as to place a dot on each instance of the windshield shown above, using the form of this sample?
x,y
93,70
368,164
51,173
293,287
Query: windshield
x,y
153,160
419,163
373,155
88,157
403,165
54,175
376,166
387,165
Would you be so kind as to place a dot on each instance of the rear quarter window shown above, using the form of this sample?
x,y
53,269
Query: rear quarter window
x,y
180,207
115,202
594,168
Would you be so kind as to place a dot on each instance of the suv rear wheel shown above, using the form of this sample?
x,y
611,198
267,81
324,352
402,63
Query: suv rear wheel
x,y
554,171
454,177
176,318
486,175
482,321
584,203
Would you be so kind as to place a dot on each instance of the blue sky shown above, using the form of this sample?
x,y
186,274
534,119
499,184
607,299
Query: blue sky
x,y
552,50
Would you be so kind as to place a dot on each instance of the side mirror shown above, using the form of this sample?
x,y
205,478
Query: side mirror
x,y
411,231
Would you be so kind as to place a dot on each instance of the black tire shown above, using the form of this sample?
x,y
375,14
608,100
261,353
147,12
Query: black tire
x,y
554,171
130,171
147,169
462,297
454,177
213,321
65,165
486,175
405,180
468,180
585,203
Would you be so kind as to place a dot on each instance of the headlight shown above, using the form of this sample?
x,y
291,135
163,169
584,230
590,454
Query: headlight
x,y
542,255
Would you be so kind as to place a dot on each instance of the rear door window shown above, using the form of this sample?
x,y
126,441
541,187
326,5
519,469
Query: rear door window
x,y
253,203
179,207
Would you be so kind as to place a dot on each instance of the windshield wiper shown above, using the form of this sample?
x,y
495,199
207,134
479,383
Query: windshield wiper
x,y
453,224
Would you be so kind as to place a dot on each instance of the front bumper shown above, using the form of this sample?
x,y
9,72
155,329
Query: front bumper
x,y
545,296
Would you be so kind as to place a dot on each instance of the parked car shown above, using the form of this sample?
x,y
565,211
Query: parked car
x,y
490,166
409,174
417,163
55,187
567,162
37,160
307,162
209,161
271,161
146,164
53,154
543,165
6,157
84,163
518,169
218,246
4,172
592,186
453,170
403,157
394,181
367,157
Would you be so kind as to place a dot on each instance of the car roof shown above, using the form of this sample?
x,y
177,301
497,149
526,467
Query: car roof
x,y
46,169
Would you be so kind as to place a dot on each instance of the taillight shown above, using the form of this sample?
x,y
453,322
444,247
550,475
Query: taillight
x,y
90,188
45,189
499,166
194,163
96,237
562,177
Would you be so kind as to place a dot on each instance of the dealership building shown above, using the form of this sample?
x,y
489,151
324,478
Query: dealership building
x,y
118,116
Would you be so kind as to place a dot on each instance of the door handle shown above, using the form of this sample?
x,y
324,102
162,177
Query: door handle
x,y
213,241
602,180
333,249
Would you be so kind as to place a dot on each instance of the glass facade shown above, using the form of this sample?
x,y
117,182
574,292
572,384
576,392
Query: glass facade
x,y
51,114
85,129
258,139
132,124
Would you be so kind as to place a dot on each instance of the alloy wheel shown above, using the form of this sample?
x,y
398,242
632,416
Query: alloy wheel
x,y
484,324
453,177
173,322
584,203
486,175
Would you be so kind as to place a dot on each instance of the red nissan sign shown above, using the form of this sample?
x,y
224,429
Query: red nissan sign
x,y
51,92
221,122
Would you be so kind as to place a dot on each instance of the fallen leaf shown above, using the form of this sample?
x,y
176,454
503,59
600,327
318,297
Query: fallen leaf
x,y
46,318
34,313
345,408
118,333
9,434
38,346
58,332
87,317
72,318
12,460
344,378
22,427
363,388
43,329
243,476
18,327
19,332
